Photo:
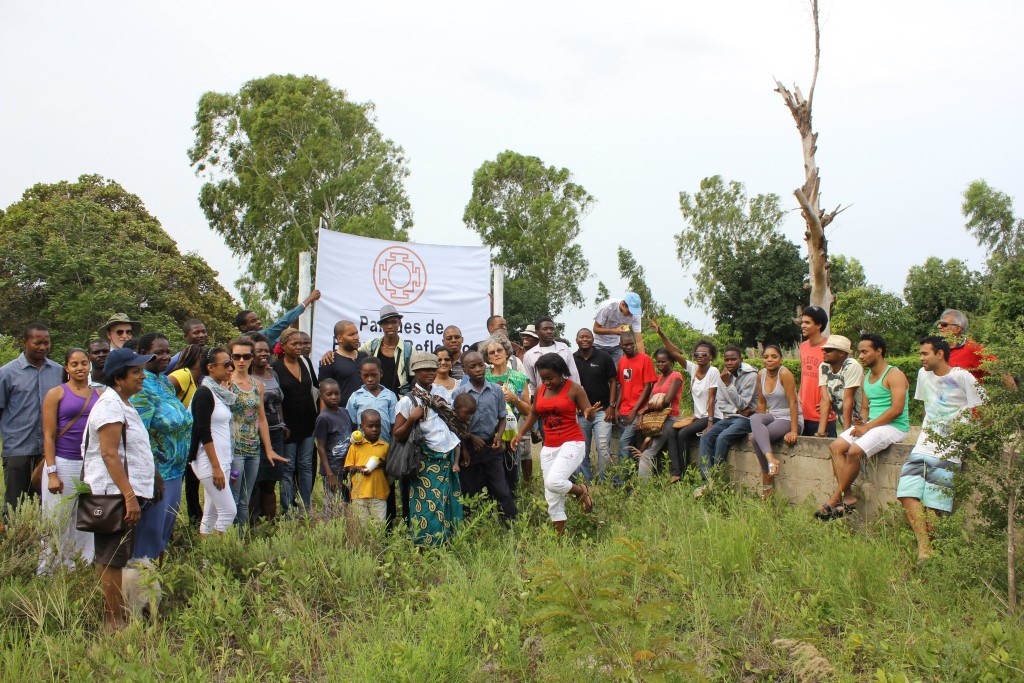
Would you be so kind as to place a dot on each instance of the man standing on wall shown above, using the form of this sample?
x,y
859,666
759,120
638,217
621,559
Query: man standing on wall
x,y
813,320
612,318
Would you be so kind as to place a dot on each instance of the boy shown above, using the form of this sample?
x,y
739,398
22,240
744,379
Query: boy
x,y
332,432
373,395
365,460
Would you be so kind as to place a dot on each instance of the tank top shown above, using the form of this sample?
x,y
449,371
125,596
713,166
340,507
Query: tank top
x,y
880,400
559,417
245,428
69,446
776,402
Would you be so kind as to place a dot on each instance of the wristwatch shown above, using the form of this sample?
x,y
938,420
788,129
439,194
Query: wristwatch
x,y
49,469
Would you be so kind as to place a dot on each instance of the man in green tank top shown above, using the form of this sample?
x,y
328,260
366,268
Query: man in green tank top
x,y
885,404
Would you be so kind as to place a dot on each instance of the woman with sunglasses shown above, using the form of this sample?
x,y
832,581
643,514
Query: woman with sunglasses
x,y
444,383
211,440
250,428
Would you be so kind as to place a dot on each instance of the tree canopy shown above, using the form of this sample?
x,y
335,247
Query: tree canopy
x,y
846,273
284,156
871,309
936,285
73,253
991,220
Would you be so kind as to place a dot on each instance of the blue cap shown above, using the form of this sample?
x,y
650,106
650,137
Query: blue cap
x,y
633,302
119,359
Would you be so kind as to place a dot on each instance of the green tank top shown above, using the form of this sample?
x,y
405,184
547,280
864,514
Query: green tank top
x,y
880,400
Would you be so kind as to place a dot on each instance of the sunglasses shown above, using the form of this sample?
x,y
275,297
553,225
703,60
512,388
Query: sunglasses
x,y
226,364
241,356
945,324
122,333
701,354
444,360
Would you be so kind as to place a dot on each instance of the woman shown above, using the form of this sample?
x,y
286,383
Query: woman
x,y
435,508
170,432
444,383
299,409
497,351
211,441
264,497
556,405
118,459
65,413
250,427
665,394
778,415
186,377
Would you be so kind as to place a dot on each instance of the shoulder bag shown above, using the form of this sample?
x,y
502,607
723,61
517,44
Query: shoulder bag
x,y
404,457
102,513
37,471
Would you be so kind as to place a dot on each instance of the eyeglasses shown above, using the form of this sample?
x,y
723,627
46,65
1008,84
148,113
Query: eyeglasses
x,y
444,360
494,352
241,356
227,364
121,333
943,323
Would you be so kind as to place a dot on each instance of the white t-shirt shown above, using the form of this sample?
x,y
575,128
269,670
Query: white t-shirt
x,y
945,399
438,437
110,409
699,390
530,361
609,314
220,430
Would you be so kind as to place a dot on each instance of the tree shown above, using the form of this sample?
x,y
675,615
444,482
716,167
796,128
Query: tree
x,y
71,254
935,286
633,273
870,309
283,157
846,274
991,220
808,196
602,293
529,215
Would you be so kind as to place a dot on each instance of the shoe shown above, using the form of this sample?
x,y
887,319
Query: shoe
x,y
699,491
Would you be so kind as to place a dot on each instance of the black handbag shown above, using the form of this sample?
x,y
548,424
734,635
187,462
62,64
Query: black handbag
x,y
404,457
102,513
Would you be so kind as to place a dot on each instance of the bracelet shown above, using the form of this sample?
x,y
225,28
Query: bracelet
x,y
128,496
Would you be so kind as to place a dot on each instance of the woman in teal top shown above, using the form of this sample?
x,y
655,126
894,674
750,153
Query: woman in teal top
x,y
170,433
497,350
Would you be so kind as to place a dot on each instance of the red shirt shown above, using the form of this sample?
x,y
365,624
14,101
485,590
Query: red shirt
x,y
969,356
558,414
811,358
662,386
634,373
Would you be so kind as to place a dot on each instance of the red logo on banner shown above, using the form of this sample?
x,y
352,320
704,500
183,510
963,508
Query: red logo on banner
x,y
399,275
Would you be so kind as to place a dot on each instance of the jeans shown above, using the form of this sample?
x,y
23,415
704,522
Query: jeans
x,y
298,471
718,439
17,479
614,351
153,532
649,457
241,488
678,464
604,445
811,428
627,437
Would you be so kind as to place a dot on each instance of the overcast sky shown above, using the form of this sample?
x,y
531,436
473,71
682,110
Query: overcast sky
x,y
639,100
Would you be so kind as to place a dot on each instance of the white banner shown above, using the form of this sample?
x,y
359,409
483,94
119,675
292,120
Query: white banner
x,y
431,286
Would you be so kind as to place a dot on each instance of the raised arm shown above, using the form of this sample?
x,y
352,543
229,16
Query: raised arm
x,y
672,349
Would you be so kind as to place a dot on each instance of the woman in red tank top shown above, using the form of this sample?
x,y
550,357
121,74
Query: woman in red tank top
x,y
556,405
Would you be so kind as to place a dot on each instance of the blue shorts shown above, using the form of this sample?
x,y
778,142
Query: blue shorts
x,y
929,480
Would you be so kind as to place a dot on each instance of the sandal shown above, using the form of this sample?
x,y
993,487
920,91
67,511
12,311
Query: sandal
x,y
843,509
586,502
773,468
824,513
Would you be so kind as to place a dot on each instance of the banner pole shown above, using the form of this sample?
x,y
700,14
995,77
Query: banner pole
x,y
499,291
305,287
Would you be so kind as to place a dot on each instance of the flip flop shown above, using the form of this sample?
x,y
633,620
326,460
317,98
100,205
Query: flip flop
x,y
843,509
586,502
824,513
773,469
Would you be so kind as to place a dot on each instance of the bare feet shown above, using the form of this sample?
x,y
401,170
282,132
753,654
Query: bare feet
x,y
586,502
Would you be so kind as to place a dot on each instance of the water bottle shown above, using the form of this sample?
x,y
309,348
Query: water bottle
x,y
235,474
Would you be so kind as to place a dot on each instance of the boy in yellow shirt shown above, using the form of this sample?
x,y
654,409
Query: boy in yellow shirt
x,y
365,460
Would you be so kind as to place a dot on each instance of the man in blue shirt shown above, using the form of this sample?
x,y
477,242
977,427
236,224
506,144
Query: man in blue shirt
x,y
486,454
249,323
23,385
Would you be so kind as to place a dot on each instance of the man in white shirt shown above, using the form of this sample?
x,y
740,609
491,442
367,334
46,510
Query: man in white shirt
x,y
926,481
841,379
547,344
612,318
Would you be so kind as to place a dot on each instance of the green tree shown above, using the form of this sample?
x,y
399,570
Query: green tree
x,y
529,215
937,285
871,309
602,293
283,157
846,273
72,253
991,220
636,281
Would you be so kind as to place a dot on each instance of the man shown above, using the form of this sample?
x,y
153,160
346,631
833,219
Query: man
x,y
452,339
346,360
840,379
546,344
885,399
249,323
598,379
926,480
636,377
194,330
529,339
736,404
23,385
395,354
98,351
483,444
119,329
812,321
496,325
613,317
963,352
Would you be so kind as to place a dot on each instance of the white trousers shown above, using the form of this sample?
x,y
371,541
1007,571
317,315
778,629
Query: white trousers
x,y
218,507
558,464
72,541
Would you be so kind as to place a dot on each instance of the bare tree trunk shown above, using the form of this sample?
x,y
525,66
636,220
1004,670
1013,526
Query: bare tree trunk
x,y
1011,552
808,196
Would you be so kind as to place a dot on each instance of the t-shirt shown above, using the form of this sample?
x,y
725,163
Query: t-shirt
x,y
436,434
384,403
634,373
530,360
344,371
609,314
110,409
188,384
375,484
596,374
333,429
945,399
700,388
851,374
969,356
661,386
811,358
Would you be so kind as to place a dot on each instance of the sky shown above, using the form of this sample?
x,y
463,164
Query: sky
x,y
639,100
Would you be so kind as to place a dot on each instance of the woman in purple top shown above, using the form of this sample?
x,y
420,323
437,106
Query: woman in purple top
x,y
65,413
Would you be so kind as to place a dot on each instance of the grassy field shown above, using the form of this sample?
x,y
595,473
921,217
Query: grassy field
x,y
653,585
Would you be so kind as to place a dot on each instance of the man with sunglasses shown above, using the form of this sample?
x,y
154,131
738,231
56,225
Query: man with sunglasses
x,y
963,352
119,329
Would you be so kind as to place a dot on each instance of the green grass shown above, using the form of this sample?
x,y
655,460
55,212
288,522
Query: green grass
x,y
652,585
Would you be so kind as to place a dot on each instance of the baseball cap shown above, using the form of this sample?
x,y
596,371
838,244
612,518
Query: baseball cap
x,y
119,359
632,300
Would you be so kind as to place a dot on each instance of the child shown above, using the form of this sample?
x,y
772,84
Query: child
x,y
464,406
373,395
369,483
332,432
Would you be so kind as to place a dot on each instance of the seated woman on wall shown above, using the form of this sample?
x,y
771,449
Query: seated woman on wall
x,y
665,395
778,415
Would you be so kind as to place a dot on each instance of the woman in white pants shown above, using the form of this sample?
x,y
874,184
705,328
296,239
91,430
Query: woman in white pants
x,y
564,447
211,441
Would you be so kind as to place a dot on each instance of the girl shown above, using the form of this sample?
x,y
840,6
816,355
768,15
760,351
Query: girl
x,y
444,383
211,441
665,394
778,415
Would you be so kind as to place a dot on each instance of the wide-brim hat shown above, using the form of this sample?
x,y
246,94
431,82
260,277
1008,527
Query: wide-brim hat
x,y
119,359
423,360
838,342
388,311
121,319
530,331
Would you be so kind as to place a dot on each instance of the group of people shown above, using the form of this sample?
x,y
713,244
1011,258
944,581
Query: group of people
x,y
248,422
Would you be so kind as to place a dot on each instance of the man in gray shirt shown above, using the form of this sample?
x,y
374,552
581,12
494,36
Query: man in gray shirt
x,y
736,404
23,385
612,318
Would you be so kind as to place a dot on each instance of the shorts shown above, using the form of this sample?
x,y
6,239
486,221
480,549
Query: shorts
x,y
929,480
115,550
877,439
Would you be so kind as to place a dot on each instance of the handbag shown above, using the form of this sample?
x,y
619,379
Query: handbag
x,y
37,471
103,513
651,423
404,457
